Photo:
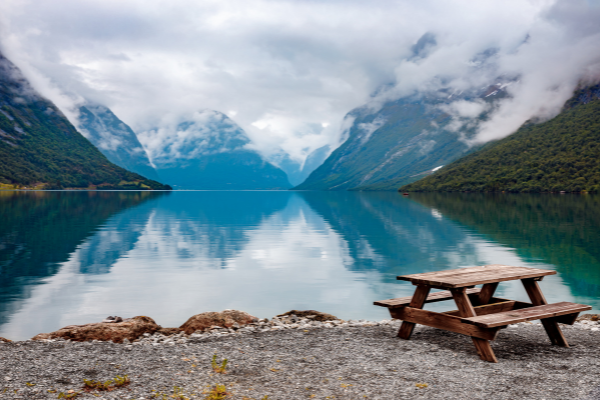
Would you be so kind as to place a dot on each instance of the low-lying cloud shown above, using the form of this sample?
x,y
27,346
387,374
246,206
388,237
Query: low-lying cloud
x,y
288,71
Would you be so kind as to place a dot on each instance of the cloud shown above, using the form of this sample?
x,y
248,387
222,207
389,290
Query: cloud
x,y
288,71
188,136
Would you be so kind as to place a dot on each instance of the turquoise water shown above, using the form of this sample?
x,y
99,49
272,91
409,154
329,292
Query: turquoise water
x,y
77,257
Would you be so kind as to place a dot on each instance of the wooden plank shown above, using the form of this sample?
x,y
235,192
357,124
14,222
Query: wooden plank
x,y
526,314
479,277
465,308
431,298
551,326
489,308
449,273
474,276
487,291
417,301
568,319
442,321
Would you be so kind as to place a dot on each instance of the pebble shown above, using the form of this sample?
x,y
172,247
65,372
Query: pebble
x,y
296,358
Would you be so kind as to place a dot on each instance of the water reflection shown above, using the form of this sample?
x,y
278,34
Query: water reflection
x,y
560,230
40,230
77,259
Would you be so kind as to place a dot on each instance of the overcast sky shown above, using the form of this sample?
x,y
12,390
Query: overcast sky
x,y
288,71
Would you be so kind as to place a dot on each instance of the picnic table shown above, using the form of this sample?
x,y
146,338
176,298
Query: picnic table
x,y
480,314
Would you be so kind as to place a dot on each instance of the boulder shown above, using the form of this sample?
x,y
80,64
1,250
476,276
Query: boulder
x,y
130,328
224,319
311,314
5,340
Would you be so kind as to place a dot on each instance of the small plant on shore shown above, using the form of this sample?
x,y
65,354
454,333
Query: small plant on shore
x,y
111,384
177,394
218,392
219,369
71,394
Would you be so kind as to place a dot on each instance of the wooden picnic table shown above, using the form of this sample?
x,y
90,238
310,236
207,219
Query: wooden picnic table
x,y
480,314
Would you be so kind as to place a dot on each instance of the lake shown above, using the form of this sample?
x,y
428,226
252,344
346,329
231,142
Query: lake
x,y
77,257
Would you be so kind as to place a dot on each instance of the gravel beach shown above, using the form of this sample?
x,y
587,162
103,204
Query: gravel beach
x,y
351,360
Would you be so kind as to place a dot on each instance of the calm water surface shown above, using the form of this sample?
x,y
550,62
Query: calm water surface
x,y
77,257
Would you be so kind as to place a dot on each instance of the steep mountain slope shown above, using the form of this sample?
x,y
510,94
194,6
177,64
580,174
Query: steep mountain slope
x,y
298,172
402,140
39,146
114,139
562,154
210,151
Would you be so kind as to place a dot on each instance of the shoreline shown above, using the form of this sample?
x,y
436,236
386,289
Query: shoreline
x,y
349,360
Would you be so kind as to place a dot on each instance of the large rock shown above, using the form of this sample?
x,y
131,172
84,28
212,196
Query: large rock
x,y
311,314
169,331
5,340
130,328
225,319
589,317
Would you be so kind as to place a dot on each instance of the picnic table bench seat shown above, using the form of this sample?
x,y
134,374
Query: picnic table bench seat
x,y
480,314
431,298
528,314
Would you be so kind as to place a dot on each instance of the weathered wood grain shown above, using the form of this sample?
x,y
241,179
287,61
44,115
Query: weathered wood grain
x,y
463,277
442,321
431,298
551,326
417,301
525,314
465,308
489,308
487,291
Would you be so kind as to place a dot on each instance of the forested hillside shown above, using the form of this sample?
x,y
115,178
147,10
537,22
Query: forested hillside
x,y
562,154
40,148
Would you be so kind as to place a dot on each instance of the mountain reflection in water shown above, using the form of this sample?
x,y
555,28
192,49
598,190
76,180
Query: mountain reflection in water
x,y
68,258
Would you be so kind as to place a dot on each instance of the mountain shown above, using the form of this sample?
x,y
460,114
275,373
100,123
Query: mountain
x,y
212,152
298,172
562,154
40,148
114,139
400,141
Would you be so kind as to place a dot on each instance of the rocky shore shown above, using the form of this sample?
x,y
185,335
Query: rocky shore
x,y
299,355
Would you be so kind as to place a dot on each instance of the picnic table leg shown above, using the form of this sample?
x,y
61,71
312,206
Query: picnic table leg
x,y
487,292
550,325
417,301
465,308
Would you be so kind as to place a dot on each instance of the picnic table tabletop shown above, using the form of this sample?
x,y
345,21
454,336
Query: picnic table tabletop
x,y
480,314
462,277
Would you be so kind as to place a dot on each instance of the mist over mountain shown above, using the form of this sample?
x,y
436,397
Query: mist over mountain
x,y
40,148
209,151
401,140
296,171
115,139
289,85
562,154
